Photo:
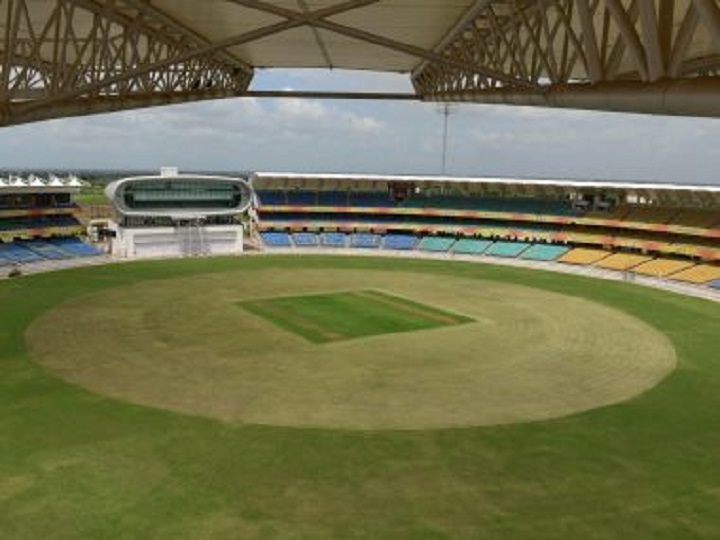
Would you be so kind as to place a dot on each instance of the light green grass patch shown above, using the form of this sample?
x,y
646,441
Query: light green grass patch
x,y
323,318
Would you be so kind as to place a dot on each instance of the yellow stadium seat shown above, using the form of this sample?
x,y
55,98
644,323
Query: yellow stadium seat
x,y
583,256
702,273
662,267
621,261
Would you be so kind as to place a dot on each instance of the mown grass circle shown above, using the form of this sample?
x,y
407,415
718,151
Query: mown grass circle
x,y
458,352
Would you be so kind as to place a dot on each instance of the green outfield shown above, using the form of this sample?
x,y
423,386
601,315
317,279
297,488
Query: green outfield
x,y
328,397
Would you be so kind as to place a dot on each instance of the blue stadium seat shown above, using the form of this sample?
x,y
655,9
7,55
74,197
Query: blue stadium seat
x,y
305,239
333,198
371,199
333,239
438,244
271,197
471,246
45,249
507,249
302,198
400,241
276,239
75,247
15,253
365,240
544,252
715,284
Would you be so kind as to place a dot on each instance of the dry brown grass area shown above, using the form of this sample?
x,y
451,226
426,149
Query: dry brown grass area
x,y
183,344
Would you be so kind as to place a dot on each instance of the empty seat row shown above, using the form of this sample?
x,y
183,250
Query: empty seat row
x,y
400,241
507,249
544,252
30,251
438,244
641,264
366,240
305,239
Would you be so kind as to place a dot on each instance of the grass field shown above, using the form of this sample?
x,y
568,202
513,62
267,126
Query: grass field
x,y
323,318
79,464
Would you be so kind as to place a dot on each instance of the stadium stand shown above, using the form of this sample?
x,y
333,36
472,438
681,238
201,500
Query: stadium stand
x,y
621,261
370,199
662,267
702,273
715,284
659,231
696,218
75,247
45,249
583,256
305,239
276,239
544,252
333,198
471,246
272,198
302,198
400,241
368,241
651,215
507,249
18,254
438,244
330,239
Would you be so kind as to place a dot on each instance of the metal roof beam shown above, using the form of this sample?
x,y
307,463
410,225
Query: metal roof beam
x,y
375,39
159,15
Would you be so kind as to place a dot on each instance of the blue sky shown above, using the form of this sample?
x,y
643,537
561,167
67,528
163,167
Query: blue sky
x,y
379,137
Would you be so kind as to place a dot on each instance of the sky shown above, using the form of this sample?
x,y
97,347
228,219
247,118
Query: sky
x,y
384,137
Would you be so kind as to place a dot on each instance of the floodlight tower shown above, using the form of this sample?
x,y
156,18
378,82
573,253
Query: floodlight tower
x,y
446,110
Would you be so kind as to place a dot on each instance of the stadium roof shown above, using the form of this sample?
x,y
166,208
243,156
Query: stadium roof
x,y
71,57
663,193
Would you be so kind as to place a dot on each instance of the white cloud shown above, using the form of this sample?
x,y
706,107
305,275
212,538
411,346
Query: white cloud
x,y
302,109
389,137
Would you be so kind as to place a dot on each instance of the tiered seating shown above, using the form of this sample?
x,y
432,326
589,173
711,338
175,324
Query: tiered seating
x,y
400,241
439,244
715,284
519,205
333,198
697,218
470,246
621,261
702,273
276,239
333,239
583,256
368,241
274,198
662,267
648,214
46,250
21,223
544,252
302,198
371,198
507,249
15,253
75,247
305,239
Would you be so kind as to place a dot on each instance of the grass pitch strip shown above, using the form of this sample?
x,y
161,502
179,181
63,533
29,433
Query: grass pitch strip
x,y
323,318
